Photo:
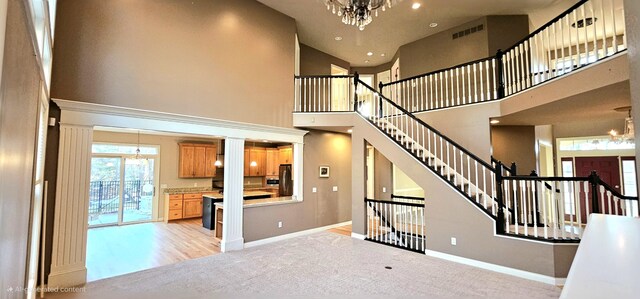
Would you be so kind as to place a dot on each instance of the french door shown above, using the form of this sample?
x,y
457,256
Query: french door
x,y
122,190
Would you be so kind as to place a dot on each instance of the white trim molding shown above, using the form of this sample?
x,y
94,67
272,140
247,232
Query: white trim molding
x,y
358,236
293,235
497,268
90,114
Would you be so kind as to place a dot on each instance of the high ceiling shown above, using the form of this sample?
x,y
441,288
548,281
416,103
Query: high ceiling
x,y
397,26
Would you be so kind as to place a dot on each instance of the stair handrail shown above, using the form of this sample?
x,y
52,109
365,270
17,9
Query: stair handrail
x,y
460,147
322,76
615,192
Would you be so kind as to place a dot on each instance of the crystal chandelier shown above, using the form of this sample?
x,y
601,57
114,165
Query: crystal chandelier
x,y
357,12
628,135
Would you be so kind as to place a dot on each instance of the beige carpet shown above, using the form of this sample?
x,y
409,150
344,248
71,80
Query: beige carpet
x,y
319,265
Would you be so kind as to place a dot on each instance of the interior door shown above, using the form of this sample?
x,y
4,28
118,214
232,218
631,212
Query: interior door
x,y
607,168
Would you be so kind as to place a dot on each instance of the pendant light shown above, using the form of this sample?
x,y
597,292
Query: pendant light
x,y
253,162
137,158
218,162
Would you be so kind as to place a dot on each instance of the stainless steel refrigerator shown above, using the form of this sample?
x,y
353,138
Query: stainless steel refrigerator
x,y
286,180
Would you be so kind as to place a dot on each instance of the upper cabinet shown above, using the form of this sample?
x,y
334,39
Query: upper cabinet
x,y
285,154
257,155
196,160
272,161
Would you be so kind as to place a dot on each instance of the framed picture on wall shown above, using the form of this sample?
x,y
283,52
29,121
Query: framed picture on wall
x,y
324,171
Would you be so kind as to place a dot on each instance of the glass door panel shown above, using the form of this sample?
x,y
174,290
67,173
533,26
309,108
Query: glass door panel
x,y
104,191
139,190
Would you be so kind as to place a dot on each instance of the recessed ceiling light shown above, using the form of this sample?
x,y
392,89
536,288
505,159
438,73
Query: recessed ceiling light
x,y
382,55
415,5
350,131
366,61
338,38
369,53
494,121
265,140
433,25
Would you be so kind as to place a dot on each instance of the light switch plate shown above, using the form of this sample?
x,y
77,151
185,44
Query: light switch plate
x,y
314,189
279,224
335,188
454,242
384,189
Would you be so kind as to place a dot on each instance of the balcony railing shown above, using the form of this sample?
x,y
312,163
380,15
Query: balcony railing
x,y
589,31
104,196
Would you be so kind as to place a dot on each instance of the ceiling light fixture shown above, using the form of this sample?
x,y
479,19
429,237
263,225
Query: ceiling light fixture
x,y
416,5
218,162
629,132
350,131
338,38
357,12
369,53
383,55
366,61
137,158
433,25
494,121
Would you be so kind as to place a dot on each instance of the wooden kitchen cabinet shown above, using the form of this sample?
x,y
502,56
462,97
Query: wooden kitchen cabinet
x,y
192,208
272,162
196,160
181,206
259,155
285,154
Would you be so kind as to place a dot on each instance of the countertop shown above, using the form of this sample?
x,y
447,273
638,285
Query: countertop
x,y
606,264
246,193
264,201
205,190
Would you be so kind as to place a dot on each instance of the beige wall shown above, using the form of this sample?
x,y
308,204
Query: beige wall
x,y
515,144
505,31
229,60
383,176
440,51
631,11
316,62
19,94
325,207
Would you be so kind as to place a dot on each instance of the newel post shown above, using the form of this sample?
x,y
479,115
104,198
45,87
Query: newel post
x,y
500,223
594,181
500,74
356,77
514,168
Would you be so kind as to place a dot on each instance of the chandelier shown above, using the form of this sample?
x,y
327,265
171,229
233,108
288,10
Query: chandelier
x,y
357,12
628,135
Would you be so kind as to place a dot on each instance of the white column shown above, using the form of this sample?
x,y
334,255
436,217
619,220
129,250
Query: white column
x,y
232,238
68,258
298,173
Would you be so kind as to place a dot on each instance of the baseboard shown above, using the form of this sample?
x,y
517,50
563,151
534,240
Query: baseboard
x,y
68,278
293,235
357,236
497,268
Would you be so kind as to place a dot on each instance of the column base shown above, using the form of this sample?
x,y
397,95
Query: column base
x,y
237,244
67,278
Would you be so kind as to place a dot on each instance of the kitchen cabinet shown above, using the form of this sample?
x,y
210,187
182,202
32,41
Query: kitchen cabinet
x,y
272,162
196,160
259,155
181,206
285,154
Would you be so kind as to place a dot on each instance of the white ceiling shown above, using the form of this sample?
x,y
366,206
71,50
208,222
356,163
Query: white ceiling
x,y
318,27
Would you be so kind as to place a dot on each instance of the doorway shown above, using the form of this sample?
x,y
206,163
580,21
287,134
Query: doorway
x,y
123,188
370,172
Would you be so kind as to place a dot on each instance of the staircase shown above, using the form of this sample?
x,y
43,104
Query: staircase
x,y
526,207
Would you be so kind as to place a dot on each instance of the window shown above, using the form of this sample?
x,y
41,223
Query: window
x,y
567,171
130,149
629,176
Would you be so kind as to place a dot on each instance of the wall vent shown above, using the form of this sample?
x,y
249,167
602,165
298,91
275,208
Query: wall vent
x,y
468,31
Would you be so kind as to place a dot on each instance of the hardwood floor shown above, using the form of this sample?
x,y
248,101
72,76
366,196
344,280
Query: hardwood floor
x,y
118,250
343,230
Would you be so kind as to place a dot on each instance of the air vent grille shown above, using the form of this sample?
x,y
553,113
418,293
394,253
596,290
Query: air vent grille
x,y
468,31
